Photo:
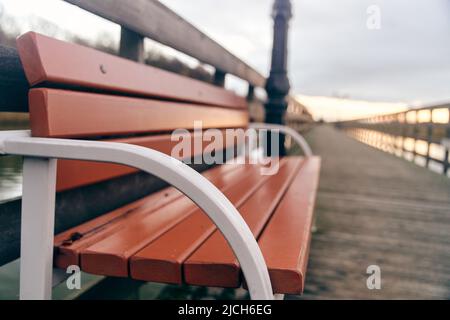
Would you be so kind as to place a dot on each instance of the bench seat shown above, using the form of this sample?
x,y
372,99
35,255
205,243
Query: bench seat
x,y
166,238
82,94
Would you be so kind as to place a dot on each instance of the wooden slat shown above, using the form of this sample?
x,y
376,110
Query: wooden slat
x,y
69,114
162,260
154,20
52,61
286,239
67,244
389,213
214,263
97,229
110,256
77,206
74,173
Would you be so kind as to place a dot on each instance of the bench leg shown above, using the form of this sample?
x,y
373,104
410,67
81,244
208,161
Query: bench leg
x,y
38,216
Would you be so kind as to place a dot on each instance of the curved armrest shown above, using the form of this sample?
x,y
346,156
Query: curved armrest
x,y
176,173
288,131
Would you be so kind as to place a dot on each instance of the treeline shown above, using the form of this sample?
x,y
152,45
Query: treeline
x,y
9,30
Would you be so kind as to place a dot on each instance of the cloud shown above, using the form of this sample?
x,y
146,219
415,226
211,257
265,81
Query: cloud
x,y
332,52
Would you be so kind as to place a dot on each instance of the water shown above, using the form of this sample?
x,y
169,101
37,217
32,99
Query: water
x,y
393,144
10,177
10,169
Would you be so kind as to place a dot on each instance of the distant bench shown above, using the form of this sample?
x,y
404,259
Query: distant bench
x,y
88,105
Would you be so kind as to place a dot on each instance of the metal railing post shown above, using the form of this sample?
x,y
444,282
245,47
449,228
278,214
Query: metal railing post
x,y
429,138
447,149
277,85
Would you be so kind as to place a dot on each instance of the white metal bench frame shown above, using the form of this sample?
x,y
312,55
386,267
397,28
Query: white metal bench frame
x,y
38,202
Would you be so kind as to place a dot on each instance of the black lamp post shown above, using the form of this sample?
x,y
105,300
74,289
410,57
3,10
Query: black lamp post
x,y
277,85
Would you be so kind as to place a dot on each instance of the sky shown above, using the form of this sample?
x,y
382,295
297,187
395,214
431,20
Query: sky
x,y
337,65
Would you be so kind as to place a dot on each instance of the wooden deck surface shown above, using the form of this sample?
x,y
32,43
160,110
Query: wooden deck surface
x,y
377,209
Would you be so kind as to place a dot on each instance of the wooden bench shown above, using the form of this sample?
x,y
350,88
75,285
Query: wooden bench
x,y
88,105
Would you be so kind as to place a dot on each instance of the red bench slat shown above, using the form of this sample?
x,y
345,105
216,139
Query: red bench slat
x,y
70,114
286,239
52,61
110,256
74,173
105,225
214,263
161,261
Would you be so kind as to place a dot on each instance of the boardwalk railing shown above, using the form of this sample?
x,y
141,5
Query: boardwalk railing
x,y
139,19
422,132
152,19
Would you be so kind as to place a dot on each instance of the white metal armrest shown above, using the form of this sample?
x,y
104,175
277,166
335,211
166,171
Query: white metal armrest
x,y
288,131
38,204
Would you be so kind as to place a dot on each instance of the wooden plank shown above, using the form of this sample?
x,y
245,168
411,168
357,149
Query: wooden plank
x,y
74,173
154,20
214,263
76,206
162,260
13,84
70,114
52,61
285,240
110,256
69,244
389,213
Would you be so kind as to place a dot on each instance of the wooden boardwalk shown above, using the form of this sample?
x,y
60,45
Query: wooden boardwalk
x,y
376,209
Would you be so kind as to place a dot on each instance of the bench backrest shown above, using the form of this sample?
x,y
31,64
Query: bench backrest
x,y
78,92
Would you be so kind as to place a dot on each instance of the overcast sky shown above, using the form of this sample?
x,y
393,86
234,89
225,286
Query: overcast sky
x,y
332,52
